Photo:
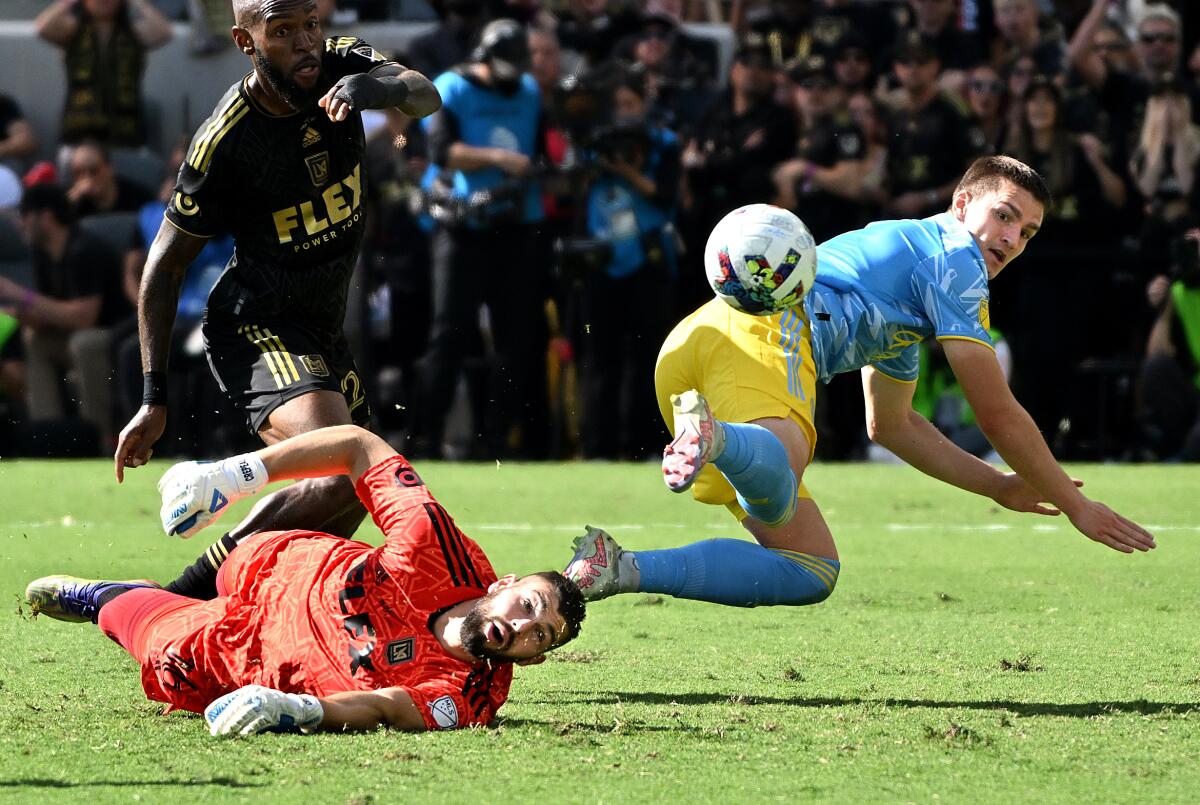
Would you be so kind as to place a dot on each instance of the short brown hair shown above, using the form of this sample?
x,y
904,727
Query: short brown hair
x,y
570,604
986,173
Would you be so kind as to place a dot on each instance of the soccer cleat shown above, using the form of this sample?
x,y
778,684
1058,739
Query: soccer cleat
x,y
699,439
596,566
67,598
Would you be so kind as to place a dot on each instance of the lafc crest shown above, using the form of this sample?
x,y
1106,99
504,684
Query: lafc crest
x,y
318,168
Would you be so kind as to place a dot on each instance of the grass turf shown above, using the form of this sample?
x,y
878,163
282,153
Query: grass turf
x,y
968,654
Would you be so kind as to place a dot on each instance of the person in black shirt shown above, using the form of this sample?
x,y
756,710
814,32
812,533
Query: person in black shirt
x,y
66,315
738,142
95,186
279,166
820,183
933,137
958,51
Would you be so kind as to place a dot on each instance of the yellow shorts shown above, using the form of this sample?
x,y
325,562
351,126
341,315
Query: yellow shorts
x,y
747,367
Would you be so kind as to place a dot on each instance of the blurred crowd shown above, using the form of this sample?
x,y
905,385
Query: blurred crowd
x,y
521,317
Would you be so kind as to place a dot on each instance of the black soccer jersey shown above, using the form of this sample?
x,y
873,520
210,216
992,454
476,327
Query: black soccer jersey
x,y
290,189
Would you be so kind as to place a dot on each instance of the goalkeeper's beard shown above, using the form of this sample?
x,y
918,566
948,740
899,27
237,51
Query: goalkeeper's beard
x,y
472,636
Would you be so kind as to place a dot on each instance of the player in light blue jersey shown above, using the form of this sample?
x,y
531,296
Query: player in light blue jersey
x,y
739,390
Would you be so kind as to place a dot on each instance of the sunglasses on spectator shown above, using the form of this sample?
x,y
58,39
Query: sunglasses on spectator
x,y
1158,39
989,87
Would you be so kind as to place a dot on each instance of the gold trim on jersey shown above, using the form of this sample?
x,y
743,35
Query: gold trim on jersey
x,y
206,144
181,229
278,359
992,347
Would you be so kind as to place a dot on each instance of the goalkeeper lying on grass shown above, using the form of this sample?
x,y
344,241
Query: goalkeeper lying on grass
x,y
314,632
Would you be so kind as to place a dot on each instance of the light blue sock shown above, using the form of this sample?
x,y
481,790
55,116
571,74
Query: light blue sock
x,y
737,573
756,464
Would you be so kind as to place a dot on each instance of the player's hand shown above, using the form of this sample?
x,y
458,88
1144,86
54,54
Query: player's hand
x,y
253,709
1016,494
353,93
1100,523
134,447
196,493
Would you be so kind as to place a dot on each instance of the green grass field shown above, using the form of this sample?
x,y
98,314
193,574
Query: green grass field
x,y
968,654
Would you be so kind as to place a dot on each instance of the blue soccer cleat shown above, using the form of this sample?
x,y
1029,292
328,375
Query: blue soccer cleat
x,y
68,598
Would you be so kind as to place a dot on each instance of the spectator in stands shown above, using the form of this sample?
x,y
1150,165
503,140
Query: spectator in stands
x,y
104,45
631,207
820,182
958,51
545,59
1169,384
1078,247
986,95
95,186
743,135
675,62
482,144
593,28
853,70
65,316
933,137
871,117
1021,32
1123,96
450,42
786,26
17,140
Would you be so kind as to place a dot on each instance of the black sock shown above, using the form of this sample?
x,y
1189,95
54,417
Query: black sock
x,y
107,596
199,580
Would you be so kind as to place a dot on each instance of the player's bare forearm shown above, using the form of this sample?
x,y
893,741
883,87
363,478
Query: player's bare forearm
x,y
920,444
368,710
339,450
171,253
1019,442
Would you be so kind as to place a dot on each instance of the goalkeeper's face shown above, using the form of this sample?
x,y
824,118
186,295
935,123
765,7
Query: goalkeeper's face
x,y
517,621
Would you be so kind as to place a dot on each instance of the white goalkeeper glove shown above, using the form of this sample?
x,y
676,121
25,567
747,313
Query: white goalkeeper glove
x,y
194,493
253,709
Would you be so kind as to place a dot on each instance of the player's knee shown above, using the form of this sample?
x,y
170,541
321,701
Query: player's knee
x,y
809,580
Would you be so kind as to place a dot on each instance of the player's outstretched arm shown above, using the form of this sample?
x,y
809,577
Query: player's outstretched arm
x,y
171,253
386,87
195,494
1016,438
252,709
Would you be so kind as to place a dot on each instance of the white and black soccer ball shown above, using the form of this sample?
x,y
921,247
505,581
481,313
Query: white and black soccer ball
x,y
761,259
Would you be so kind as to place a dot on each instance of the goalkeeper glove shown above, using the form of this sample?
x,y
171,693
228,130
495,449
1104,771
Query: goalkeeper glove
x,y
253,709
195,493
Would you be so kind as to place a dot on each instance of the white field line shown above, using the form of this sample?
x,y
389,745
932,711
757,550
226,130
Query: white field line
x,y
614,527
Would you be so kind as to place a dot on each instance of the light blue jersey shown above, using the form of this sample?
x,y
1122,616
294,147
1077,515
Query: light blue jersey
x,y
882,290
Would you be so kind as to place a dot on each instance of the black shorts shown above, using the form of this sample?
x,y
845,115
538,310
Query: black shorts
x,y
262,365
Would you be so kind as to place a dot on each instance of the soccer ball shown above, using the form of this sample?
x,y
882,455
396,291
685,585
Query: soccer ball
x,y
760,259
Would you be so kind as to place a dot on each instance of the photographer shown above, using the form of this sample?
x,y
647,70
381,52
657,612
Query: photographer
x,y
631,207
1169,385
481,145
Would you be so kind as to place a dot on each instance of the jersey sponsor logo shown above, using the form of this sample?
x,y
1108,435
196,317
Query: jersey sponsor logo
x,y
445,712
400,651
318,168
315,365
340,210
358,626
985,317
185,204
311,137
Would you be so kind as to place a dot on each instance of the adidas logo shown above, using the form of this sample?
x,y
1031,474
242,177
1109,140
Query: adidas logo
x,y
311,137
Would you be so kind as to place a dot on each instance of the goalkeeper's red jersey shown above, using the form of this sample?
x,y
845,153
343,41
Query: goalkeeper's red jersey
x,y
307,612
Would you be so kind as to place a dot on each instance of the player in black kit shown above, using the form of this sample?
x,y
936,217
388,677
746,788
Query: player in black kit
x,y
279,166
